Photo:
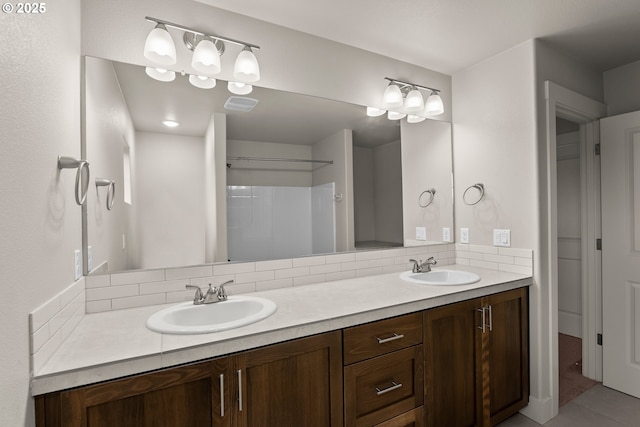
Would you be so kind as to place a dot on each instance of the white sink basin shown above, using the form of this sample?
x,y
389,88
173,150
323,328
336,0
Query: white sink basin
x,y
441,277
187,318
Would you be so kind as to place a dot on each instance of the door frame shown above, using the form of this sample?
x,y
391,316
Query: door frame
x,y
570,105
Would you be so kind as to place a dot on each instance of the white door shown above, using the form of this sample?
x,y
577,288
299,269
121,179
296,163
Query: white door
x,y
620,157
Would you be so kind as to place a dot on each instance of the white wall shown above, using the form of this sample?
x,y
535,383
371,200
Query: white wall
x,y
171,202
622,89
215,185
338,148
426,164
108,128
39,218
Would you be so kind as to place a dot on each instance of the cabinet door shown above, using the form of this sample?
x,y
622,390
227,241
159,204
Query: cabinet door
x,y
297,383
508,354
188,396
453,395
414,418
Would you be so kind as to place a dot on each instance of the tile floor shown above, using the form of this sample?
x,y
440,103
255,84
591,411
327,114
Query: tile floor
x,y
597,407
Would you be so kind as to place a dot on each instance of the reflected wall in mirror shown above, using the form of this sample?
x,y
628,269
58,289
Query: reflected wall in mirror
x,y
188,195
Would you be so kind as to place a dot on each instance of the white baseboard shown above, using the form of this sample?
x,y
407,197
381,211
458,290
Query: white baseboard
x,y
539,410
570,324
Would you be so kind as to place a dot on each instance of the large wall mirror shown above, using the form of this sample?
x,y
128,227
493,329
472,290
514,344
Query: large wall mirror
x,y
266,175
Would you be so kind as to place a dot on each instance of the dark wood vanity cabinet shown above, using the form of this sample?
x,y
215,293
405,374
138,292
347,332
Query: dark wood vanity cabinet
x,y
459,365
295,383
477,360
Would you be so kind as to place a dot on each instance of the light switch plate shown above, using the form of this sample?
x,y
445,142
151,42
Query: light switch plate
x,y
502,238
77,264
421,233
446,234
464,235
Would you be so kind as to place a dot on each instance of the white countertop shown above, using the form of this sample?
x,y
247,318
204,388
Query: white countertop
x,y
117,343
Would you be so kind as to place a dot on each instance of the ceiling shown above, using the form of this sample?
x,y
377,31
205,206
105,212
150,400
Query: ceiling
x,y
279,117
450,35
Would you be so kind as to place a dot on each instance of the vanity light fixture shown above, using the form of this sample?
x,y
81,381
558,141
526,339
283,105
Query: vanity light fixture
x,y
207,49
160,74
401,98
239,88
159,46
202,82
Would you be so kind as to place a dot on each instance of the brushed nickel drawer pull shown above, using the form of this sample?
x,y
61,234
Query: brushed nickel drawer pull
x,y
391,338
222,395
240,390
394,386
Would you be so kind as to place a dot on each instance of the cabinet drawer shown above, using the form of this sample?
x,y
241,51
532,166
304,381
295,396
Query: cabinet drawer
x,y
377,338
384,387
414,418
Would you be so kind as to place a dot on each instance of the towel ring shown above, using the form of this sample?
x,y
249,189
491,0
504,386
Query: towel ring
x,y
431,192
469,200
104,182
65,162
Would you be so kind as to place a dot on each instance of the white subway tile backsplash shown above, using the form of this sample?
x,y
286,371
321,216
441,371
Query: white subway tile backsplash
x,y
340,258
369,272
112,292
367,255
527,262
484,249
189,272
325,268
307,261
257,276
514,269
98,281
356,265
274,265
292,272
392,253
137,277
138,301
500,259
341,275
516,252
308,280
234,268
483,264
162,287
98,306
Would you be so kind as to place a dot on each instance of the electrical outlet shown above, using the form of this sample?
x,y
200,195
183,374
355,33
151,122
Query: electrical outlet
x,y
77,255
502,238
446,234
464,235
421,233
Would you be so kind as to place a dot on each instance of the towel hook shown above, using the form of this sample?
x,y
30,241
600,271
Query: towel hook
x,y
431,192
480,188
65,162
104,182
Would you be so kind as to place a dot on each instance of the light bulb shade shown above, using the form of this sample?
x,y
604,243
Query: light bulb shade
x,y
375,112
159,46
434,105
239,88
392,97
160,74
414,101
206,57
202,82
412,118
394,115
246,69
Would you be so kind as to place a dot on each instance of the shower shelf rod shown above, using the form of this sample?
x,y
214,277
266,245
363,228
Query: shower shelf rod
x,y
274,159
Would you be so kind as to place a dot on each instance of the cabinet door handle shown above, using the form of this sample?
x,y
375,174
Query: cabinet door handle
x,y
240,390
490,319
483,320
394,386
222,395
393,337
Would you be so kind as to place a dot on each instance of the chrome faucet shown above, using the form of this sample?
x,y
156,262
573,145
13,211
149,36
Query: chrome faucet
x,y
422,267
213,295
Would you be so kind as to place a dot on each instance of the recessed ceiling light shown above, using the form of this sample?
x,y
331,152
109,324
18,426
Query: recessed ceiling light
x,y
170,123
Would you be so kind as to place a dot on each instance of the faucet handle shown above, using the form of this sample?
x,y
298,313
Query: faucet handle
x,y
198,298
222,293
416,266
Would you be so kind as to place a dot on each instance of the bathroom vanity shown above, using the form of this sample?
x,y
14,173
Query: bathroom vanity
x,y
415,356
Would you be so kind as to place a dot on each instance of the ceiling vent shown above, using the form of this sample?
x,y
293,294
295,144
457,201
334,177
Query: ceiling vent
x,y
240,103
